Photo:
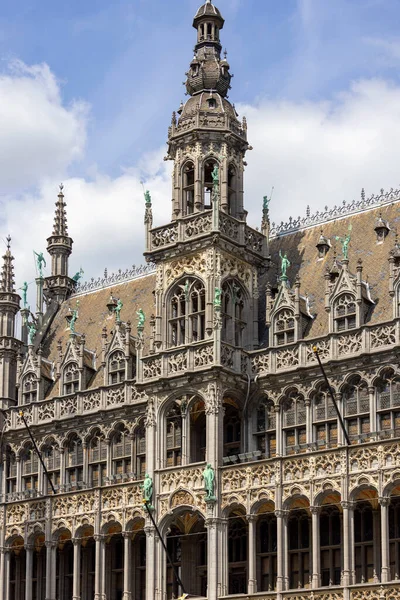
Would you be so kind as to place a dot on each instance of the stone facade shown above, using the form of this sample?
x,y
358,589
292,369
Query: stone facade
x,y
221,372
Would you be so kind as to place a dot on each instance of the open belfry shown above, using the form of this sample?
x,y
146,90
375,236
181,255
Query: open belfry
x,y
183,401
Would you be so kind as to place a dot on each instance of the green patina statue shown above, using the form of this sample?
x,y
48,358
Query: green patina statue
x,y
141,318
117,310
217,298
31,333
209,479
345,241
266,202
25,293
215,177
285,264
78,275
147,197
147,487
40,262
186,289
74,317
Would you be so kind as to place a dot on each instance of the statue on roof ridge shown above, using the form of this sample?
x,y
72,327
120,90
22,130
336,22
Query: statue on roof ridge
x,y
118,309
78,275
24,289
147,197
141,318
285,264
345,241
74,317
31,332
40,261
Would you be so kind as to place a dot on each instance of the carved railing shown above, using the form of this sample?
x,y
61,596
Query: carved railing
x,y
200,224
120,276
336,346
365,591
82,403
178,361
207,120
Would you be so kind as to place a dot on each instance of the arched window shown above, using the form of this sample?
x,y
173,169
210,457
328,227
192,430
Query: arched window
x,y
71,378
173,422
121,452
29,388
267,552
233,309
97,449
325,419
284,327
208,182
299,549
356,409
187,313
232,189
294,423
266,428
51,456
394,537
330,527
188,188
388,403
364,542
345,312
232,430
237,554
11,471
30,470
139,439
197,419
74,463
116,367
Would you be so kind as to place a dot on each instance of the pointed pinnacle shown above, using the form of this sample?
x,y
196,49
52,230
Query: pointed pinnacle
x,y
7,272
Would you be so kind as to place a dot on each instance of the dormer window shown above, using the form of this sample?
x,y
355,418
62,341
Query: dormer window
x,y
71,379
345,313
29,389
116,369
284,328
211,103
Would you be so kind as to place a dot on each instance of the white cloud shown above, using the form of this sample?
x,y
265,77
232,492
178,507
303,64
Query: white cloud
x,y
39,135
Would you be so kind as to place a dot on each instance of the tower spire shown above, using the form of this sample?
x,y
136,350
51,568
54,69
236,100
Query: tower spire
x,y
60,220
7,273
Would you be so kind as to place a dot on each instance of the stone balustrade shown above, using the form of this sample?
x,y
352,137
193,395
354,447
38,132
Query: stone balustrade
x,y
388,591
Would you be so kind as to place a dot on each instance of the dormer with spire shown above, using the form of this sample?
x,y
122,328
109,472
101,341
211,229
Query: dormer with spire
x,y
9,345
59,245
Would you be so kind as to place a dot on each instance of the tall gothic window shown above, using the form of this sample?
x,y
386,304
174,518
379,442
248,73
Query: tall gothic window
x,y
74,462
394,537
208,182
139,438
299,549
52,459
364,542
29,388
116,367
187,313
121,452
197,417
97,449
266,428
294,423
388,403
71,378
232,430
356,409
30,469
325,419
11,471
345,312
232,188
188,188
267,552
237,554
233,317
173,422
330,528
284,327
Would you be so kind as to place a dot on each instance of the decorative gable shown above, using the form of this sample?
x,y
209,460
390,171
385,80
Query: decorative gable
x,y
287,314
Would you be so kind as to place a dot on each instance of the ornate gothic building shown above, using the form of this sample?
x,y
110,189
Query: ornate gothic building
x,y
206,356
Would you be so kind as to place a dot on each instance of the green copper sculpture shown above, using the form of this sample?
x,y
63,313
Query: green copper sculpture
x,y
147,197
78,275
40,261
186,289
266,202
217,298
74,318
141,318
147,487
345,241
209,481
285,264
215,177
117,310
25,293
31,333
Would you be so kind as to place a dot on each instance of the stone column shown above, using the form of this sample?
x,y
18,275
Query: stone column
x,y
76,586
286,550
50,571
280,550
28,571
316,554
223,565
377,546
373,416
211,525
279,433
98,564
252,553
150,562
385,573
346,544
5,580
309,422
127,565
351,543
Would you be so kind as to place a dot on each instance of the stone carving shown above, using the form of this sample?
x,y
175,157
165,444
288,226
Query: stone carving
x,y
227,356
115,396
182,497
164,236
209,482
203,356
324,348
383,336
229,227
133,273
197,225
260,364
151,368
189,264
177,362
349,344
287,358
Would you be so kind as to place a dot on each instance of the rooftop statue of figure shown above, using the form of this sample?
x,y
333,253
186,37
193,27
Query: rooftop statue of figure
x,y
147,197
266,202
141,318
74,317
40,262
31,333
78,275
215,177
117,310
24,289
345,242
285,264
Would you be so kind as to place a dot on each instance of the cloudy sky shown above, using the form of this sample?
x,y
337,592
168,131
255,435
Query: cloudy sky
x,y
87,90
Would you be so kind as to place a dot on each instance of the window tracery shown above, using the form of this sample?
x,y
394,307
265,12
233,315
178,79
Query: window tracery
x,y
232,189
173,424
208,182
71,378
187,313
74,463
188,174
140,451
344,313
233,313
330,527
265,432
11,471
52,460
356,409
294,423
29,388
324,419
237,554
121,452
232,430
30,469
97,459
267,552
388,403
116,367
299,549
364,542
284,327
394,538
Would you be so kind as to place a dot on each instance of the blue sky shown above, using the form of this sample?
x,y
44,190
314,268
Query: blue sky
x,y
88,89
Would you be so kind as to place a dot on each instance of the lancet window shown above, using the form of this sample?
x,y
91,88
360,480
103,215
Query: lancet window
x,y
265,432
173,422
74,463
11,471
140,451
345,312
97,449
267,552
233,313
394,537
188,188
388,403
71,378
237,554
208,182
232,430
324,419
294,423
187,313
330,527
52,460
116,367
364,542
232,190
197,433
284,327
121,452
356,409
29,388
30,469
299,549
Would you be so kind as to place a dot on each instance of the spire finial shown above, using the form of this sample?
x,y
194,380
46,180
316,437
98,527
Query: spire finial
x,y
60,227
8,240
225,53
7,273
